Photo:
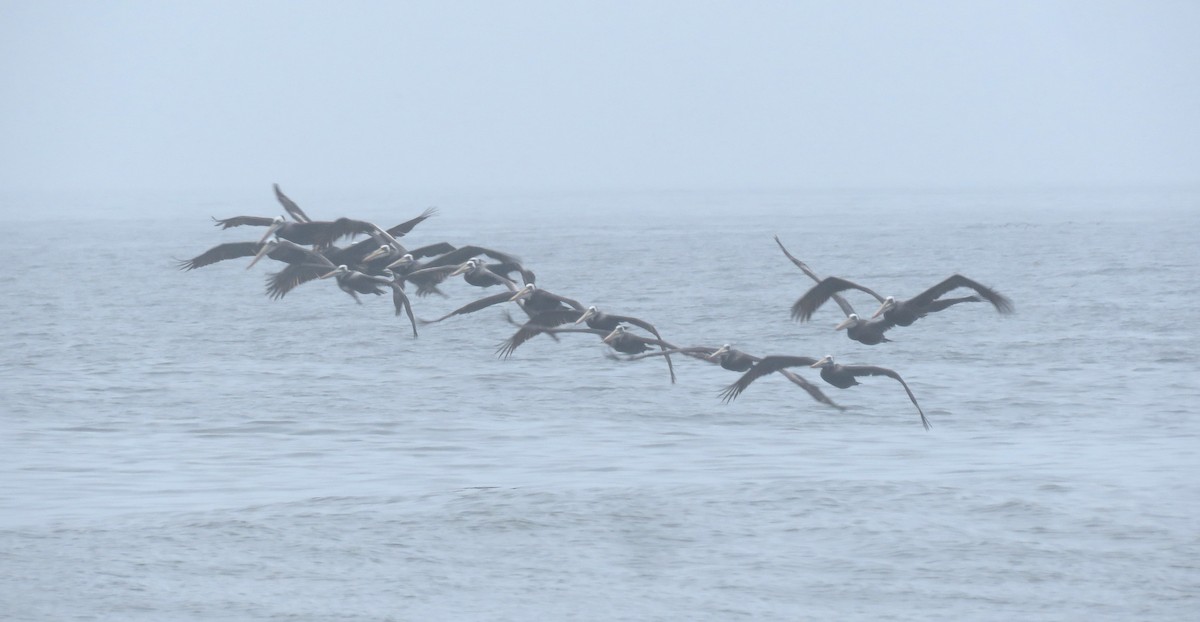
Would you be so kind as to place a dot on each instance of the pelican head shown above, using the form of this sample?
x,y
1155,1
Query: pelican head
x,y
403,261
825,362
850,321
383,250
276,225
263,250
617,332
888,303
342,269
591,311
469,265
719,352
524,292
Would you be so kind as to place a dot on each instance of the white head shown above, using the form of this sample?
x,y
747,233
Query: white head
x,y
850,321
825,362
617,332
591,311
719,352
524,292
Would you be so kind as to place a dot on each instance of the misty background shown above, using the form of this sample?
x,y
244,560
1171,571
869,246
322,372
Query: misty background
x,y
223,98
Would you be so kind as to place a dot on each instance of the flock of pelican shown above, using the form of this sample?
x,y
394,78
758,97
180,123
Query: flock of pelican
x,y
379,262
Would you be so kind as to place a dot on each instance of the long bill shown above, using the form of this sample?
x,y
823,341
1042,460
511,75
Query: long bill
x,y
591,311
263,250
887,304
825,360
271,231
849,321
721,350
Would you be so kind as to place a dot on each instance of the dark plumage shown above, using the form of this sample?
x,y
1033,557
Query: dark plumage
x,y
840,376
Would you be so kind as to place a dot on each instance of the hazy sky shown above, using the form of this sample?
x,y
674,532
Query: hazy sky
x,y
611,94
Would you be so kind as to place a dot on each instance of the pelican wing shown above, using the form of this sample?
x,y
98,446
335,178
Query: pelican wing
x,y
294,210
768,365
697,352
325,233
945,303
841,302
1000,302
648,327
472,307
812,300
536,325
403,228
812,389
238,221
220,252
401,301
563,299
871,370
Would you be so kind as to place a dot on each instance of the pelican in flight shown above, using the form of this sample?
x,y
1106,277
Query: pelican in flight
x,y
593,317
901,312
867,332
840,376
735,360
533,299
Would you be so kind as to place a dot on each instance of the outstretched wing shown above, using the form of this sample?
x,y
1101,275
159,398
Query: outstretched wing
x,y
871,370
403,228
238,221
811,388
821,292
401,301
1002,303
768,365
841,302
294,210
220,252
472,307
536,325
648,327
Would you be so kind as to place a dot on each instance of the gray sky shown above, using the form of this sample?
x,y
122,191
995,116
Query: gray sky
x,y
557,95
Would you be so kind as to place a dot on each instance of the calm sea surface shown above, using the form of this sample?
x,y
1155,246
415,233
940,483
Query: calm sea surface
x,y
176,446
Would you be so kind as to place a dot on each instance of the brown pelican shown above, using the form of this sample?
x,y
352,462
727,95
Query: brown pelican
x,y
905,312
289,205
867,332
594,318
736,360
351,281
462,260
621,340
840,376
532,299
282,282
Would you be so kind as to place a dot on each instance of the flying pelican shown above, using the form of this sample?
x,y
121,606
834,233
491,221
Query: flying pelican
x,y
621,340
902,313
289,205
594,318
867,332
840,376
282,282
533,299
463,261
351,281
735,360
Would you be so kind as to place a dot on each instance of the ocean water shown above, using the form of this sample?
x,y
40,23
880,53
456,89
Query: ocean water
x,y
178,446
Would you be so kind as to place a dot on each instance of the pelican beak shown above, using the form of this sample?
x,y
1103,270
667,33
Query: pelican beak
x,y
461,269
616,331
845,323
821,363
402,260
270,231
883,307
328,274
721,350
586,314
525,291
379,252
261,251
